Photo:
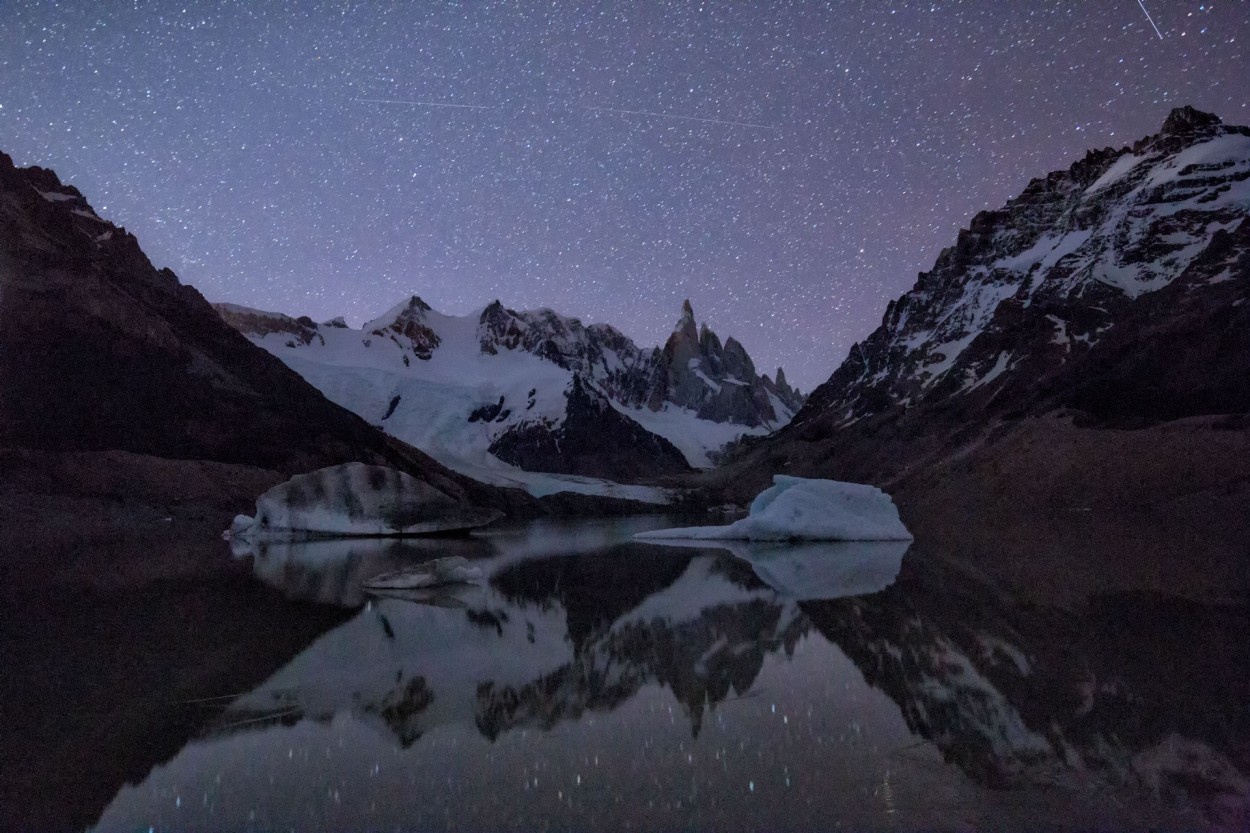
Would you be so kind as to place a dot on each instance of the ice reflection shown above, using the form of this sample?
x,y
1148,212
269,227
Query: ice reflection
x,y
534,646
816,569
332,571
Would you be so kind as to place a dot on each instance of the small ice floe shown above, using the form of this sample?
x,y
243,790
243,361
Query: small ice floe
x,y
454,569
799,509
355,499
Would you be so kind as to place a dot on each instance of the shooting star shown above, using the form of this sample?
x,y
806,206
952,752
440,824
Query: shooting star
x,y
682,118
1151,19
422,103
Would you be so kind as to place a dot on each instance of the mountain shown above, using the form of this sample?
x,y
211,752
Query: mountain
x,y
534,390
1110,296
102,352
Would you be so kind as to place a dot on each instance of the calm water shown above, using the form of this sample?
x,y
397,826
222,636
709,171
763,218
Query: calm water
x,y
595,683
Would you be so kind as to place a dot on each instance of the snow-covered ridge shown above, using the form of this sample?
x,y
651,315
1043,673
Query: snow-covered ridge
x,y
1040,281
468,389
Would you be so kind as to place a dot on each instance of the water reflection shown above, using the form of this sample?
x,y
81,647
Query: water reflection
x,y
1133,688
595,682
332,571
544,640
816,569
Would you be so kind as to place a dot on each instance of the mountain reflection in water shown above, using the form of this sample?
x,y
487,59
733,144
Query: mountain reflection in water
x,y
596,682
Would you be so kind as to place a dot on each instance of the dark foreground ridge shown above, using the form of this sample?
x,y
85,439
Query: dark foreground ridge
x,y
101,351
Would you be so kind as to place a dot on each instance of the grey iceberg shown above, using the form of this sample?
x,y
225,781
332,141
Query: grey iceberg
x,y
355,499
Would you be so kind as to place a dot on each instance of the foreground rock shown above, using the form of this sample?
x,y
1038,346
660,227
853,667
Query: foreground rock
x,y
798,509
355,499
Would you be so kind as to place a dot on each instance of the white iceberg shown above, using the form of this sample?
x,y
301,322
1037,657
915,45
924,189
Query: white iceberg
x,y
355,499
799,509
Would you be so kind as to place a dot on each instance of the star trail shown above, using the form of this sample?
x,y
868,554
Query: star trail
x,y
789,167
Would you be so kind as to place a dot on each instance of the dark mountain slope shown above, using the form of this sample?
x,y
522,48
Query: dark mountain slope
x,y
99,350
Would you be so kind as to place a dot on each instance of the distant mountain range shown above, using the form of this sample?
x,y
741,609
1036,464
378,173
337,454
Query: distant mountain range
x,y
535,390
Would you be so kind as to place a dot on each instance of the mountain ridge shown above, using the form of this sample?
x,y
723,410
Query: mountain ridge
x,y
507,380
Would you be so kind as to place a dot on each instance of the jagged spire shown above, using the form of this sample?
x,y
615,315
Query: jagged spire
x,y
685,324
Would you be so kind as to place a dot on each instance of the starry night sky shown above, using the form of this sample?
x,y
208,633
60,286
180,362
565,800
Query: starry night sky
x,y
789,167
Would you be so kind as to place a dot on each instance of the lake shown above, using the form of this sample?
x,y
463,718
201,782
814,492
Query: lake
x,y
593,682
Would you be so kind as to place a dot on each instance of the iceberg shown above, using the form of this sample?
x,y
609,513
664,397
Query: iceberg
x,y
801,509
351,500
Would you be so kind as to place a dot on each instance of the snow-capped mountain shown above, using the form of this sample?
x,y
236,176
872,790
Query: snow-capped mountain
x,y
1116,286
535,390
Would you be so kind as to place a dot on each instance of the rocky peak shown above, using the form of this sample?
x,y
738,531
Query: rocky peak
x,y
1183,120
685,324
735,362
709,342
252,322
406,325
1183,127
718,382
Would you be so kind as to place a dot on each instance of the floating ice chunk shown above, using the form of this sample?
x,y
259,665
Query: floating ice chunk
x,y
799,509
355,499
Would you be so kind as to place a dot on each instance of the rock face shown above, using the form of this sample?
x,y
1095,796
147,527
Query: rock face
x,y
593,438
717,382
99,350
1117,288
536,389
